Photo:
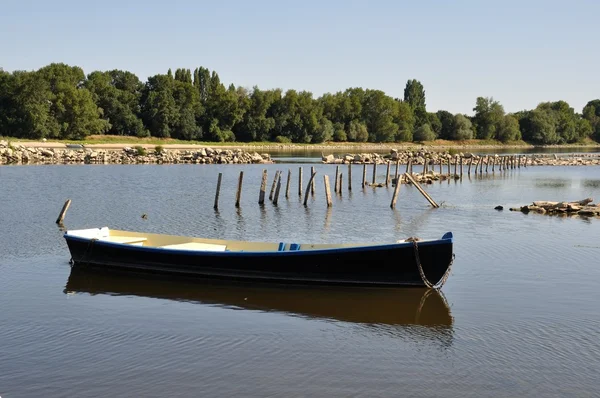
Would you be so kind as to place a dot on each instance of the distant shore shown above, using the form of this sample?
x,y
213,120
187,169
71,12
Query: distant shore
x,y
118,143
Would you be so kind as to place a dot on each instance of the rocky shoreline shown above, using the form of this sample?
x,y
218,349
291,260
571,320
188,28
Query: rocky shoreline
x,y
435,158
20,154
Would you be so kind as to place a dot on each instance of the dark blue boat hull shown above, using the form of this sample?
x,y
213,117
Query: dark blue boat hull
x,y
385,265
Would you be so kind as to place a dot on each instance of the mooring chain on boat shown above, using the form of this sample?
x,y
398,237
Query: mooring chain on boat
x,y
88,250
430,285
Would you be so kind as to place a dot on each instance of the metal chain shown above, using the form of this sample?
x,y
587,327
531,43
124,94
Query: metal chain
x,y
87,251
444,278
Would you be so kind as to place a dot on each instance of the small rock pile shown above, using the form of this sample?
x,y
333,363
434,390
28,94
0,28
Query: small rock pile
x,y
28,155
583,207
417,157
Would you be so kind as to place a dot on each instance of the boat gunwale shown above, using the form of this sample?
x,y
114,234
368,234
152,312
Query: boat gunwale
x,y
447,238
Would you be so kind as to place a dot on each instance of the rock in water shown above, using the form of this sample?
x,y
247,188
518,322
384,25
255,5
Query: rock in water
x,y
498,208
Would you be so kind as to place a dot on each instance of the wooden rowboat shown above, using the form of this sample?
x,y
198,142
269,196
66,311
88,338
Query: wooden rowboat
x,y
402,263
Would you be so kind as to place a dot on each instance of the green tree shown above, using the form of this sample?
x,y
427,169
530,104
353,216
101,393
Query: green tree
x,y
447,124
405,119
508,129
357,131
462,128
435,123
159,110
414,95
591,113
118,94
424,133
339,133
489,115
378,113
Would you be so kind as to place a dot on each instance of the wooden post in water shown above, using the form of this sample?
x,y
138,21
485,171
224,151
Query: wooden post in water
x,y
395,196
340,183
449,166
424,165
525,161
487,163
455,165
312,185
276,197
481,166
441,161
238,194
274,185
470,163
216,206
300,181
364,180
387,175
397,167
308,187
461,167
409,166
420,189
493,162
349,176
337,178
63,212
519,161
374,171
287,184
327,191
263,188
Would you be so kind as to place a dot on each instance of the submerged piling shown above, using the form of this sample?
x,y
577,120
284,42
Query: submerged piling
x,y
238,194
312,180
337,178
349,176
395,196
387,175
287,184
327,191
308,186
374,172
364,175
263,188
276,197
274,184
216,205
63,212
300,181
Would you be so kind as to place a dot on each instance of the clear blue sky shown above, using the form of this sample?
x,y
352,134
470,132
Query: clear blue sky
x,y
519,52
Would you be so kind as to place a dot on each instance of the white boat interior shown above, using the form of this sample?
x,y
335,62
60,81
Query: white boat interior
x,y
175,242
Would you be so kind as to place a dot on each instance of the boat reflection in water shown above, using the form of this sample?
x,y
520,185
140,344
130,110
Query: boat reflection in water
x,y
419,311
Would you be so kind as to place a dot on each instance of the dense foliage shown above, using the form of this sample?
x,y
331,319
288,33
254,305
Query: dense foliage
x,y
59,101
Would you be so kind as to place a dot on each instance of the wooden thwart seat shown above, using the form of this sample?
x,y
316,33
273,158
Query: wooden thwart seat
x,y
196,246
123,239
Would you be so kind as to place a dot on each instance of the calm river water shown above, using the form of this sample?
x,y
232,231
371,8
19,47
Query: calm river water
x,y
518,316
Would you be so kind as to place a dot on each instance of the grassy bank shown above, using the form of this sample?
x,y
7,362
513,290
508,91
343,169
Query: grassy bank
x,y
121,141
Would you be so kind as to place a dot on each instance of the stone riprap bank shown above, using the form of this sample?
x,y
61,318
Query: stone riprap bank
x,y
28,155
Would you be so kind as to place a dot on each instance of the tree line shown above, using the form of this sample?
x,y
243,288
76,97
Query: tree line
x,y
59,101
